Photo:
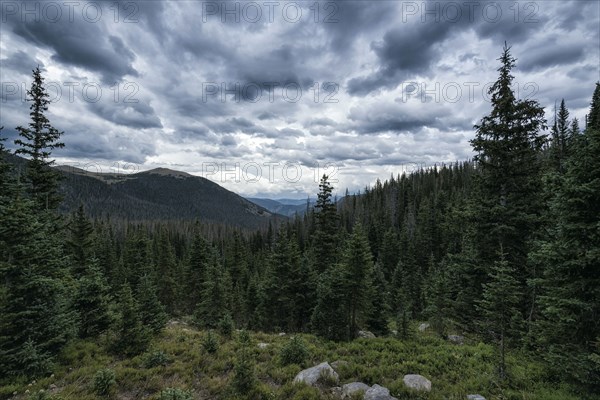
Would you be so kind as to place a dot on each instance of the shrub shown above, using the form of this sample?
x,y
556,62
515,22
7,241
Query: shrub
x,y
226,325
104,382
294,352
156,359
209,343
243,378
175,394
244,338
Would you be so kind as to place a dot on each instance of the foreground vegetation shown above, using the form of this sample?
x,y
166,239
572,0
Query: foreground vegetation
x,y
178,359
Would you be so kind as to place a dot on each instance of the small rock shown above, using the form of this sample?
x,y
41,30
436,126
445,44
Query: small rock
x,y
366,335
378,393
15,393
423,327
339,363
475,397
281,334
52,376
417,382
456,339
53,387
263,345
350,388
311,376
27,391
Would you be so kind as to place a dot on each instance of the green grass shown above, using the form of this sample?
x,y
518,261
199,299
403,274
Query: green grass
x,y
454,370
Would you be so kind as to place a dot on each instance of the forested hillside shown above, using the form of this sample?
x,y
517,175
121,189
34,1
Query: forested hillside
x,y
503,249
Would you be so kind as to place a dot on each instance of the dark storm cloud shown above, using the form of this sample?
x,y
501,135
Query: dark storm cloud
x,y
133,115
551,54
88,143
20,62
81,44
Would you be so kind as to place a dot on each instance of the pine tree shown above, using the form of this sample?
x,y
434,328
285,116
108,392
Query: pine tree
x,y
132,337
80,241
377,318
357,260
438,303
196,270
505,205
34,316
152,312
325,242
215,299
93,302
166,270
593,118
561,138
330,317
501,318
38,140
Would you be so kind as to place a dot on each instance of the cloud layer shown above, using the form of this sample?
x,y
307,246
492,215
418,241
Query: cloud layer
x,y
263,97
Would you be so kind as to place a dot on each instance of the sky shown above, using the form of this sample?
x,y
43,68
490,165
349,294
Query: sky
x,y
265,97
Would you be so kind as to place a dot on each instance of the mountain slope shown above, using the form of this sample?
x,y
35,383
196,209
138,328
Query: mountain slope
x,y
159,194
283,207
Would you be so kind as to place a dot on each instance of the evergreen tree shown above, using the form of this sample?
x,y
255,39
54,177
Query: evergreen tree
x,y
499,307
569,301
325,242
561,138
379,308
152,312
80,241
166,270
34,316
132,337
215,297
93,302
438,300
38,140
330,317
357,260
505,206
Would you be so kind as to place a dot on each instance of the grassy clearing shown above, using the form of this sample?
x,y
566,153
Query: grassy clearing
x,y
177,359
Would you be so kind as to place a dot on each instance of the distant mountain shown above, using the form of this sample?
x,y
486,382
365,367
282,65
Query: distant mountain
x,y
287,207
158,194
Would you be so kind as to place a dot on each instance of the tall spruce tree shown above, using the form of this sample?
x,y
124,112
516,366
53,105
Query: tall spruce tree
x,y
325,239
92,302
358,262
505,206
38,140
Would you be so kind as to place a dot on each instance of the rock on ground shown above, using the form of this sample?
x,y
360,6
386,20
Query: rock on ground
x,y
350,388
423,327
366,335
263,345
456,339
417,382
475,397
310,376
377,392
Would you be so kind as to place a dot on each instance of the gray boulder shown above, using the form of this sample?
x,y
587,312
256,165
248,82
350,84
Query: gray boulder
x,y
350,388
263,345
456,339
311,376
377,392
423,327
475,397
366,335
417,382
